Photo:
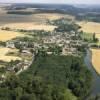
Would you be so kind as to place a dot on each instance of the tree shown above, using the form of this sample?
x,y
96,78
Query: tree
x,y
12,81
94,38
28,97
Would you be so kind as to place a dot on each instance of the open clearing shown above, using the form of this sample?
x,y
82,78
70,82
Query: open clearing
x,y
30,26
8,35
96,59
3,57
52,16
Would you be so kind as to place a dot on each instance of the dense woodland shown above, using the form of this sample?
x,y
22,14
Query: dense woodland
x,y
69,72
35,88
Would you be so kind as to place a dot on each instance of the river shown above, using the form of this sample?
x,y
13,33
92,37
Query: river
x,y
96,77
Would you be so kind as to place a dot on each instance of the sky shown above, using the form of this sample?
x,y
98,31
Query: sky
x,y
54,1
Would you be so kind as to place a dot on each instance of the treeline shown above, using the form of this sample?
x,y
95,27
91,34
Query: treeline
x,y
68,72
20,12
95,17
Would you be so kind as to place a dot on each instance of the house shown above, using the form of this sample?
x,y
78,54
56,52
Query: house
x,y
2,77
10,44
26,52
49,53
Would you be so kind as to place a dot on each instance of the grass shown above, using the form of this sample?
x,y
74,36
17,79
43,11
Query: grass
x,y
87,36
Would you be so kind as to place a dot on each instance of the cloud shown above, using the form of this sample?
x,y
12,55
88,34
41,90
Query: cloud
x,y
54,1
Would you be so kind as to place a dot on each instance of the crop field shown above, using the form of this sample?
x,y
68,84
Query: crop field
x,y
39,18
30,26
8,35
4,57
96,59
90,27
53,16
37,21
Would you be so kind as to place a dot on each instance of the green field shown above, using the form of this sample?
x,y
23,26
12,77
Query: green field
x,y
87,36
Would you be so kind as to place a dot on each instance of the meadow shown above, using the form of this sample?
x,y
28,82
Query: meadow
x,y
87,36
